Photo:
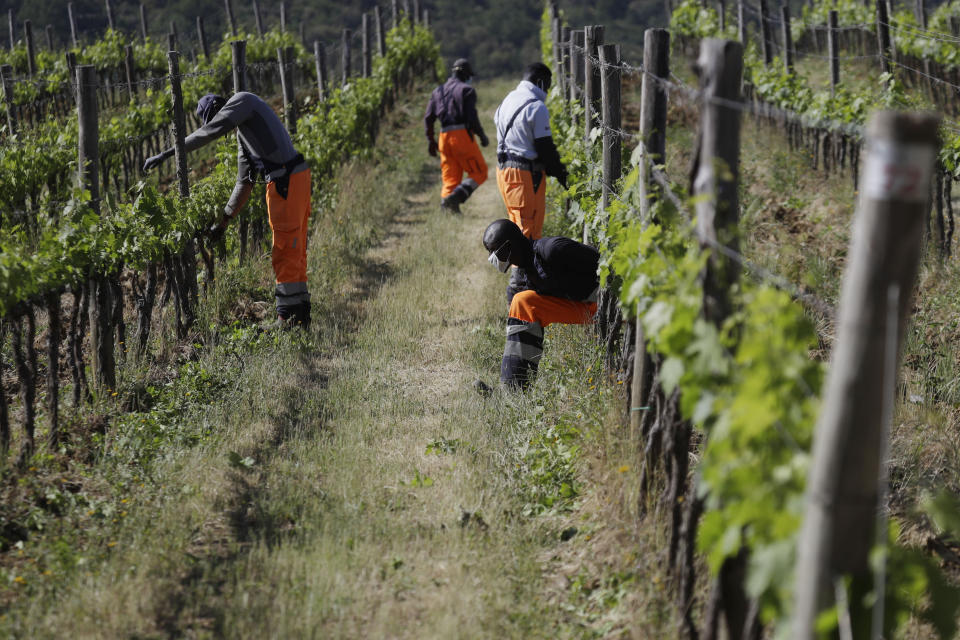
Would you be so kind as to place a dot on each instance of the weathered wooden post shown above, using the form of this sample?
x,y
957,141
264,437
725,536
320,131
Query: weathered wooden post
x,y
131,72
110,23
394,10
188,256
365,55
883,36
610,78
239,50
849,446
100,291
172,41
285,58
257,18
563,65
653,138
766,37
722,14
321,62
228,7
6,75
49,30
202,37
143,23
741,24
283,17
380,31
73,26
576,64
31,51
714,186
787,38
832,50
593,39
345,58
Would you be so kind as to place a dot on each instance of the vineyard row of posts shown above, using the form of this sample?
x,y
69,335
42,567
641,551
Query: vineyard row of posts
x,y
718,364
117,246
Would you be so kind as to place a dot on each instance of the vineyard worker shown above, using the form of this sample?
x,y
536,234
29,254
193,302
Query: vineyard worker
x,y
560,285
526,152
454,104
265,149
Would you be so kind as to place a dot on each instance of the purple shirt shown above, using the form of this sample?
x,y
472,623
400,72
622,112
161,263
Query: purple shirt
x,y
454,102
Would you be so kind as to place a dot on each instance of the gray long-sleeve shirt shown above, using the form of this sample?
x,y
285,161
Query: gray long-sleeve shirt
x,y
263,143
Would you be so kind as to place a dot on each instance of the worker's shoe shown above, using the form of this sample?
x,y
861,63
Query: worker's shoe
x,y
296,315
451,203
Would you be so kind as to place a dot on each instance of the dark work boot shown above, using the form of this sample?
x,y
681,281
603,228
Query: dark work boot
x,y
452,202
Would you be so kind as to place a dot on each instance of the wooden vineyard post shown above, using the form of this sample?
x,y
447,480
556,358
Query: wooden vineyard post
x,y
172,41
73,26
380,32
231,22
849,446
610,116
110,23
257,18
593,38
10,25
883,36
714,186
143,23
283,17
50,45
365,56
563,66
100,291
188,256
321,62
741,24
787,38
576,64
394,11
722,14
202,37
131,72
766,40
832,50
653,127
239,50
345,58
31,51
285,58
6,74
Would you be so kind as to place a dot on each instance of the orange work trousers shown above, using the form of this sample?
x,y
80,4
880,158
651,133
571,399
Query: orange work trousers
x,y
459,153
530,306
525,207
288,220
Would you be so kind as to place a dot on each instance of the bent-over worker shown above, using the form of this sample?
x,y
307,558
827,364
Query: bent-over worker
x,y
454,104
264,149
558,283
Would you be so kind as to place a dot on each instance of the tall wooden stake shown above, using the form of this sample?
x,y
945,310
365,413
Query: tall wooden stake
x,y
31,51
345,59
593,39
576,64
787,38
380,31
365,57
883,36
321,62
239,50
653,129
285,58
49,30
228,7
257,18
610,116
202,37
766,38
143,23
110,23
849,444
131,71
73,26
832,50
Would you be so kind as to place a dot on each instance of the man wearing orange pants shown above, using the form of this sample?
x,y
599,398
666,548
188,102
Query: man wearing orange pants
x,y
526,154
454,104
264,149
559,284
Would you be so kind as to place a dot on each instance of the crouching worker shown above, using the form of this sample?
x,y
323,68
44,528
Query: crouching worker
x,y
264,149
558,282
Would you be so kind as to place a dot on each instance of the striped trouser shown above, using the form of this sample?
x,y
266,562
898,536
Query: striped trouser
x,y
530,312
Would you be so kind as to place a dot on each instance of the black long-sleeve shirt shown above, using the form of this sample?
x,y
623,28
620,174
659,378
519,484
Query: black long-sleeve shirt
x,y
453,102
563,268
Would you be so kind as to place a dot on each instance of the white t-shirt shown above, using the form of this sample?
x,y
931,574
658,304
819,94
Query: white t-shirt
x,y
532,122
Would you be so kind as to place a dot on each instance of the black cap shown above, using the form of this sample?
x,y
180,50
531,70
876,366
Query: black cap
x,y
463,66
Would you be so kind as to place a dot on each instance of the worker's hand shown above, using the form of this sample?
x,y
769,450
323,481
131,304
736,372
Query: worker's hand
x,y
153,161
432,148
484,140
216,231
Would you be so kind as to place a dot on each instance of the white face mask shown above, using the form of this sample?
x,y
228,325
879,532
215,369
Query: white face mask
x,y
499,265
